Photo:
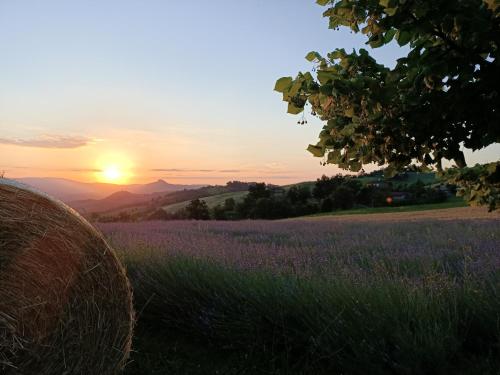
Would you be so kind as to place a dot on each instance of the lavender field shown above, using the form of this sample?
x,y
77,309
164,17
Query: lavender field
x,y
330,249
330,296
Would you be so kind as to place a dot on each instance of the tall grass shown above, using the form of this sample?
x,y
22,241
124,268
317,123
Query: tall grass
x,y
384,304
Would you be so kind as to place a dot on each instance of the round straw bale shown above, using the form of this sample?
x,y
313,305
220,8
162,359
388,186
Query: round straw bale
x,y
65,301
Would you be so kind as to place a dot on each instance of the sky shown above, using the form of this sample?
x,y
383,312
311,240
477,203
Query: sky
x,y
138,90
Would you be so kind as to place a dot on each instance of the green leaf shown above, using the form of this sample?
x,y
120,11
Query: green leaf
x,y
283,84
337,54
313,55
349,112
389,35
391,11
292,109
308,77
355,165
348,130
316,150
334,157
324,77
492,167
390,171
294,90
403,37
376,41
322,2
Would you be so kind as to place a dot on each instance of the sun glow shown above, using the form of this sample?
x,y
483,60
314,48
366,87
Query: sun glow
x,y
112,173
114,168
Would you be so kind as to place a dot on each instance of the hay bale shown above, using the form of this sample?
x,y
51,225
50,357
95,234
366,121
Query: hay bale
x,y
65,301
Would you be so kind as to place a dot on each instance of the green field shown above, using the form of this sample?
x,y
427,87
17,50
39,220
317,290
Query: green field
x,y
211,201
450,203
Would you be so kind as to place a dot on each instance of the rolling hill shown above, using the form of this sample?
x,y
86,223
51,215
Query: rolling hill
x,y
211,201
214,198
70,190
118,200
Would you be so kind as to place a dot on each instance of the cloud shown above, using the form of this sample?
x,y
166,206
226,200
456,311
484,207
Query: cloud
x,y
270,168
275,167
242,178
49,141
181,170
85,170
81,170
196,170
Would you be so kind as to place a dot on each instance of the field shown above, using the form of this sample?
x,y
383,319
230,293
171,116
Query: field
x,y
405,293
452,202
211,201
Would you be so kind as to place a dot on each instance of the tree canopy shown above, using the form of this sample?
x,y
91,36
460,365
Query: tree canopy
x,y
442,96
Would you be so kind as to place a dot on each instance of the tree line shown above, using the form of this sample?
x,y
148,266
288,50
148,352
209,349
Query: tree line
x,y
327,194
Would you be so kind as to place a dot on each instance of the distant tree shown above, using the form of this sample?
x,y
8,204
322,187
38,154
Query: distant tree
x,y
262,209
270,208
298,194
159,214
237,185
418,189
198,210
441,96
258,190
325,186
219,212
366,195
326,205
229,204
180,214
343,197
255,191
353,183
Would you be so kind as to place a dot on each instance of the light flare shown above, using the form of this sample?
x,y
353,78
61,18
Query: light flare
x,y
114,168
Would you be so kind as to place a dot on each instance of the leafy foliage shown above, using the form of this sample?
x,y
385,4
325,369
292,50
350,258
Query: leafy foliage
x,y
479,185
198,210
443,94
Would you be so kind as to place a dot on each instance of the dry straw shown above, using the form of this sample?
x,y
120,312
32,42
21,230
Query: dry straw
x,y
65,302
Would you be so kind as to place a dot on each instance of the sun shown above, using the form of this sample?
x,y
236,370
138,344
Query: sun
x,y
114,168
112,173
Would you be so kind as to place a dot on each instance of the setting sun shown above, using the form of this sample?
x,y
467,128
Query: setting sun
x,y
114,167
112,173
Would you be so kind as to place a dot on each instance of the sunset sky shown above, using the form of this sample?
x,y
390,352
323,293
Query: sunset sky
x,y
149,89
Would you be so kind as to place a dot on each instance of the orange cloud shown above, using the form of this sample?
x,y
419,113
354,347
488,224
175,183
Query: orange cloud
x,y
49,141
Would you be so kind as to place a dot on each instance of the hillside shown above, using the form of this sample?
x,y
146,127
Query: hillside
x,y
123,204
211,201
70,190
216,198
121,199
142,206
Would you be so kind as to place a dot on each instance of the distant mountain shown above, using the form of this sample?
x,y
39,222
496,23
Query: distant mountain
x,y
159,186
69,190
120,199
